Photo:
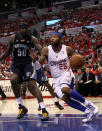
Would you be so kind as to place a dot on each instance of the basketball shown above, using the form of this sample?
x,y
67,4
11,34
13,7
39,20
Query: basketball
x,y
77,61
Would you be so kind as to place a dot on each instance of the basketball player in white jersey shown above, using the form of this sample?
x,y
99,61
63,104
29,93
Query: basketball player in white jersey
x,y
58,57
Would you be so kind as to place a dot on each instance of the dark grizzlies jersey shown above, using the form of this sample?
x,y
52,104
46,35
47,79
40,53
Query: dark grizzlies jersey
x,y
21,49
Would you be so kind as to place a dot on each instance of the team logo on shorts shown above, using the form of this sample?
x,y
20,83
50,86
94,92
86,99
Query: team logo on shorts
x,y
28,74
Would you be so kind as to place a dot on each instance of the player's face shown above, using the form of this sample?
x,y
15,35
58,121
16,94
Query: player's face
x,y
55,40
24,31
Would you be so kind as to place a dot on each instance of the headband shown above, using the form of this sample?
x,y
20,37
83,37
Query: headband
x,y
58,34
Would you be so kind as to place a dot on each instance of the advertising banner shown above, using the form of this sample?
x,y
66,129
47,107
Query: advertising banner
x,y
6,87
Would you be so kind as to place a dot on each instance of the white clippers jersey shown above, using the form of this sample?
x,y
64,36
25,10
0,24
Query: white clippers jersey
x,y
58,62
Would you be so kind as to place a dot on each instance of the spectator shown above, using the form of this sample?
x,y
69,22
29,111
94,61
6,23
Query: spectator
x,y
88,83
78,77
99,82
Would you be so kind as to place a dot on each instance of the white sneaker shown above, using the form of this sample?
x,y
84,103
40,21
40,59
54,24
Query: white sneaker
x,y
89,117
93,108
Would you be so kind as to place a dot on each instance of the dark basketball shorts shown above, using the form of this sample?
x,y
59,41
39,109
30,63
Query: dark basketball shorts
x,y
24,70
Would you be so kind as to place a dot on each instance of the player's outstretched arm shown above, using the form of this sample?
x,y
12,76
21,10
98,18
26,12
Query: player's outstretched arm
x,y
70,51
9,49
44,55
36,43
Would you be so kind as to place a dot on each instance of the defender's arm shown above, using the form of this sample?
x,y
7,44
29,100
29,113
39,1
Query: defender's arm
x,y
9,49
36,43
44,55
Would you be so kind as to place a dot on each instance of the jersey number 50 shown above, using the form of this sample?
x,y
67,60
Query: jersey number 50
x,y
21,52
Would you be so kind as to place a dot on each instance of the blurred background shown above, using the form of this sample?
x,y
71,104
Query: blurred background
x,y
82,22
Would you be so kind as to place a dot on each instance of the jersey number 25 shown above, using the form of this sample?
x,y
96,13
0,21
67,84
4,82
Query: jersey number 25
x,y
63,66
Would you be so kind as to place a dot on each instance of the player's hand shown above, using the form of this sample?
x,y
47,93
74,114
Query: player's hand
x,y
32,54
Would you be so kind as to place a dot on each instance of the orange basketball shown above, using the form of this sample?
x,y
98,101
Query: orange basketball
x,y
77,61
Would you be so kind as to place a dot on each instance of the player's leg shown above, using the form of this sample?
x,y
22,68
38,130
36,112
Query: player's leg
x,y
65,96
76,96
17,92
72,103
24,89
2,94
34,90
51,90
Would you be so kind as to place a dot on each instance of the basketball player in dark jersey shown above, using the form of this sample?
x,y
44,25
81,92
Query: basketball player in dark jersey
x,y
22,70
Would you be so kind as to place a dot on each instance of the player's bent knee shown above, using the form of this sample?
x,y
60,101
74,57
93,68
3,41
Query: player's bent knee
x,y
66,90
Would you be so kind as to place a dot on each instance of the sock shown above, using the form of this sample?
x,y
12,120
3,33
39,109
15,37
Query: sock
x,y
20,101
77,96
77,105
42,105
86,102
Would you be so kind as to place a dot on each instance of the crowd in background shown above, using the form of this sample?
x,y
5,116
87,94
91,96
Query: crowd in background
x,y
88,80
10,27
72,18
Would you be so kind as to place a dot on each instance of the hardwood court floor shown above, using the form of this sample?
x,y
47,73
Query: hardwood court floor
x,y
60,120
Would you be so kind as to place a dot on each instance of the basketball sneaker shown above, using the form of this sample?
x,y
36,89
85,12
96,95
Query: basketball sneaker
x,y
93,108
45,115
89,117
59,106
22,111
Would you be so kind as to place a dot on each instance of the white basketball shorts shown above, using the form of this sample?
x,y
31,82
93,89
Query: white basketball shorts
x,y
65,80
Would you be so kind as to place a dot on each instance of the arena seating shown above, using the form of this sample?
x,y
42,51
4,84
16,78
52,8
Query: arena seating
x,y
86,42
